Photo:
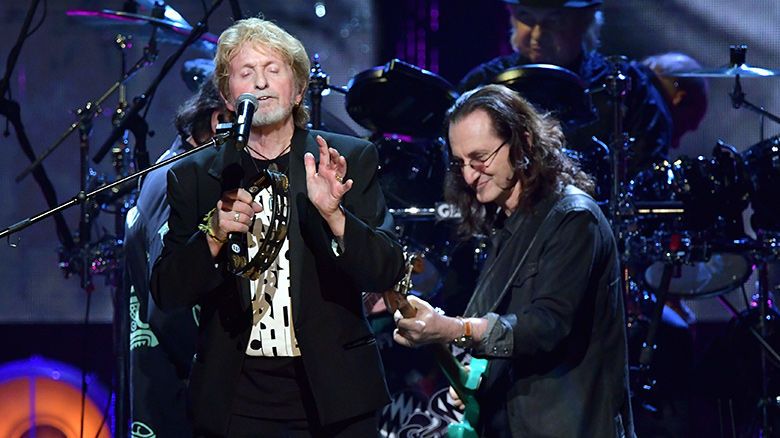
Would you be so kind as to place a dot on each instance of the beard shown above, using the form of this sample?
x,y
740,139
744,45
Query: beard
x,y
271,116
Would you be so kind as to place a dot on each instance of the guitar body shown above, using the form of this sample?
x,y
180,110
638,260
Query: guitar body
x,y
465,429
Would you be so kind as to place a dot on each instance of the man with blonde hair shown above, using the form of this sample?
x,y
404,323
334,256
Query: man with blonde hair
x,y
288,351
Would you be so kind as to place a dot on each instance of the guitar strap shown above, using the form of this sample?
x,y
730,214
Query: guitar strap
x,y
544,224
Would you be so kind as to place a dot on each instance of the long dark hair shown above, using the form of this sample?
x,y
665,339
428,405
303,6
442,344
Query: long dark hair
x,y
193,117
540,165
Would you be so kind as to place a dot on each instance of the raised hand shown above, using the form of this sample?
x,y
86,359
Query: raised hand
x,y
325,184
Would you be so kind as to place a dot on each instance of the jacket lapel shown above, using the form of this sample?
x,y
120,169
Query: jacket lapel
x,y
302,142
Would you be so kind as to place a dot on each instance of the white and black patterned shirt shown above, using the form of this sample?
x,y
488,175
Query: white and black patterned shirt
x,y
272,330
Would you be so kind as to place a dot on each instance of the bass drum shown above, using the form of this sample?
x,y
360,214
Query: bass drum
x,y
763,165
690,212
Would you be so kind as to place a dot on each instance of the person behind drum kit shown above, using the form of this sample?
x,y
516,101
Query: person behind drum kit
x,y
547,310
686,97
162,344
565,33
289,352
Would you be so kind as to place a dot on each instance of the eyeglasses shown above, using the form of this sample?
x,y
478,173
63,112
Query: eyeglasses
x,y
478,164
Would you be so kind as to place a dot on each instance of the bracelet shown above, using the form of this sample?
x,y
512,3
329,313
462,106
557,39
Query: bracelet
x,y
205,226
465,340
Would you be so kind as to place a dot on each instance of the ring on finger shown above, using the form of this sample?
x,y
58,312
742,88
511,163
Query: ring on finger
x,y
236,216
340,179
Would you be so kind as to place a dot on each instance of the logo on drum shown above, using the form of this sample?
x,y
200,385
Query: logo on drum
x,y
447,211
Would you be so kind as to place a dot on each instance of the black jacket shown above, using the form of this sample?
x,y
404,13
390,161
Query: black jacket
x,y
338,349
556,337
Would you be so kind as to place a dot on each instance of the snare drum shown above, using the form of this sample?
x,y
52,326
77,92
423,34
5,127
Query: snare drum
x,y
689,213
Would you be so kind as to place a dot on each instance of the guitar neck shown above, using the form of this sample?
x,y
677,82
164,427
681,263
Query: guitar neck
x,y
453,370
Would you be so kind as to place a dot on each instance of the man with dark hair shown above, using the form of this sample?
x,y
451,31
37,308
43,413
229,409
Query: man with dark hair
x,y
547,310
284,350
565,33
162,344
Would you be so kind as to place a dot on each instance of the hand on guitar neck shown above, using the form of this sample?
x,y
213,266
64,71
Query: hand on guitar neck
x,y
418,323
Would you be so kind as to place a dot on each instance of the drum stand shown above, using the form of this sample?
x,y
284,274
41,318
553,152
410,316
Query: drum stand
x,y
765,315
647,383
319,84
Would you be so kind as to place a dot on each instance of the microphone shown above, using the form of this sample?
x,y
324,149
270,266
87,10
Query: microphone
x,y
245,109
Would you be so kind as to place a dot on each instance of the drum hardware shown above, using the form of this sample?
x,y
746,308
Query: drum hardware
x,y
617,85
735,68
765,316
91,109
129,121
173,28
319,85
85,256
642,374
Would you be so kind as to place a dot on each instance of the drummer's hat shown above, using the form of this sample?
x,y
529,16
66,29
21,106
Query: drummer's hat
x,y
556,3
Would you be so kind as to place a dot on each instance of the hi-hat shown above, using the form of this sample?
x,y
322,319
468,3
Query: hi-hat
x,y
742,70
175,28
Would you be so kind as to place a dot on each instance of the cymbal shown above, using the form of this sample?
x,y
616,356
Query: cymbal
x,y
175,28
742,70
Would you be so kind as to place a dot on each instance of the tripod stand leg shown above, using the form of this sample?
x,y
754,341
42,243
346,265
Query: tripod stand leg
x,y
649,345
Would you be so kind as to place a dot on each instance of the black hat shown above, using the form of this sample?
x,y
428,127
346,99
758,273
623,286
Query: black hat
x,y
556,3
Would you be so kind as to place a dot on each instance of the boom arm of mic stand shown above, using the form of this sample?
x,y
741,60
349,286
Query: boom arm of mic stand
x,y
82,197
140,102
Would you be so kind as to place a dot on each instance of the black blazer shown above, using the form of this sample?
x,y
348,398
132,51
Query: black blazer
x,y
338,349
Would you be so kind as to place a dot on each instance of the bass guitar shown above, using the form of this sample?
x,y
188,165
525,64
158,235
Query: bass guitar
x,y
464,381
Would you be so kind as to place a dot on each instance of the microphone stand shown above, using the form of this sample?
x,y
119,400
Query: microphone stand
x,y
319,82
121,312
82,197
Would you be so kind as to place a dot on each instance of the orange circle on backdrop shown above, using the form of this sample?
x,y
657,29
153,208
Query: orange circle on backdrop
x,y
44,394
